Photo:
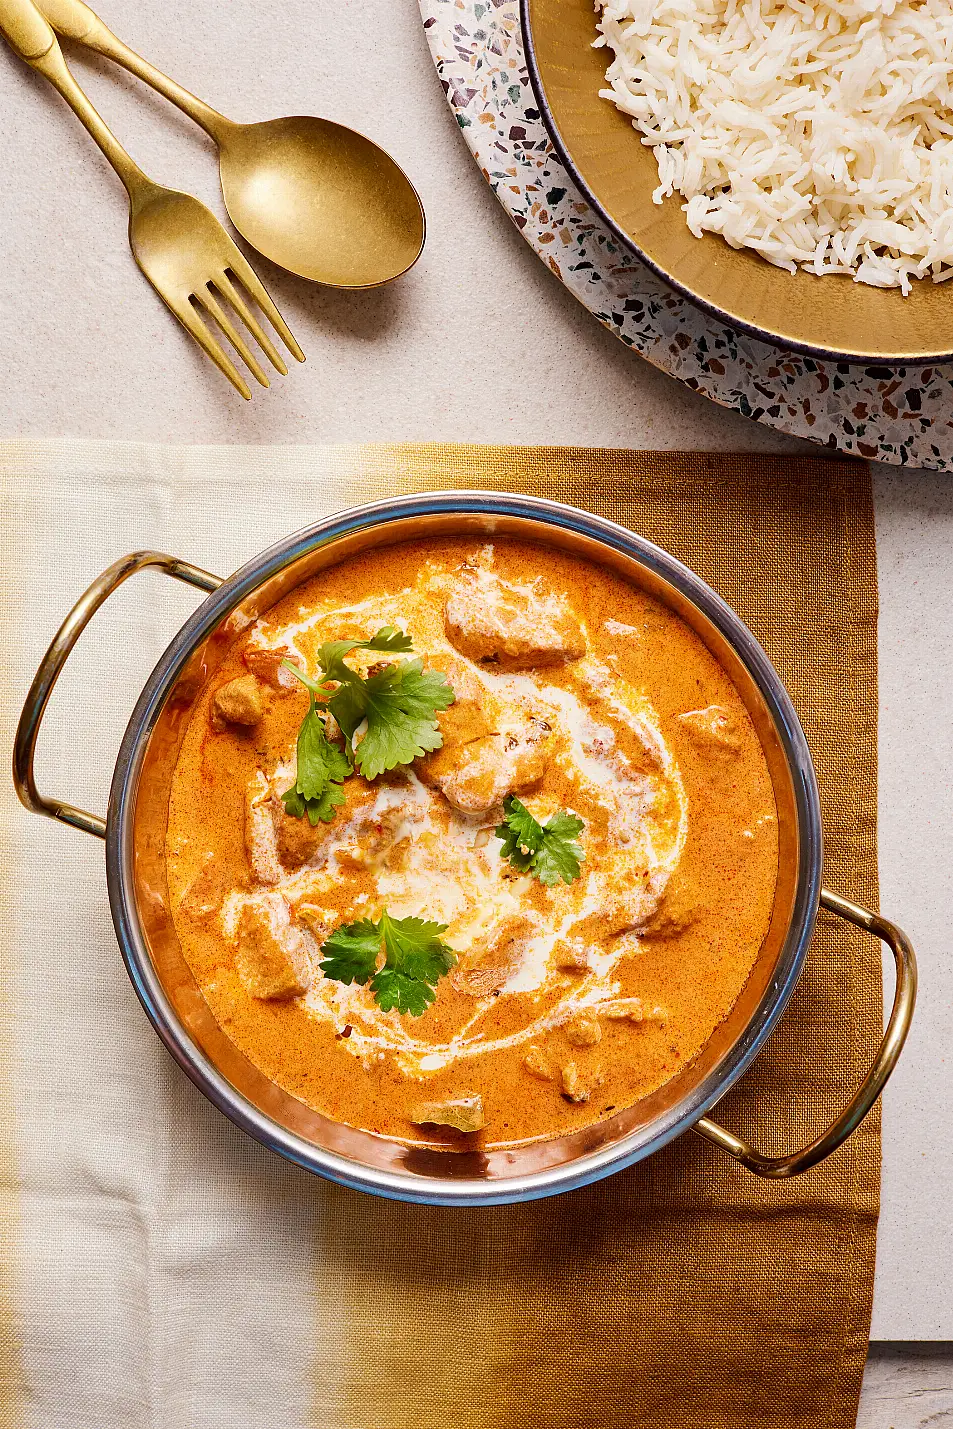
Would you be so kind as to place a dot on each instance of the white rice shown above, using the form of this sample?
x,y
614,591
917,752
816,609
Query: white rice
x,y
819,134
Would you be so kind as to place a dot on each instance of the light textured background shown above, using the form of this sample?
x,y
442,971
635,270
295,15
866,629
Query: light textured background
x,y
478,343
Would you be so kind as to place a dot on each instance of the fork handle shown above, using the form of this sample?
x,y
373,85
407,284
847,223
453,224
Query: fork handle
x,y
29,34
26,31
78,22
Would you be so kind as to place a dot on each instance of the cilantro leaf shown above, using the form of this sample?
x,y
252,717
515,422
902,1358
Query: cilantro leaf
x,y
319,810
549,850
331,660
319,762
390,638
397,705
560,855
521,834
415,959
401,705
331,656
396,989
348,704
321,766
351,952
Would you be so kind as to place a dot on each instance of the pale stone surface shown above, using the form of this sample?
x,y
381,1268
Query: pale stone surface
x,y
907,1386
478,343
914,1298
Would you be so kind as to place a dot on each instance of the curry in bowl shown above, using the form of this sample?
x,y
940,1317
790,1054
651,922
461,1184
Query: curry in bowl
x,y
470,842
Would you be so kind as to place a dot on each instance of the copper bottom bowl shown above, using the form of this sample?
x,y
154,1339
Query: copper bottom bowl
x,y
135,829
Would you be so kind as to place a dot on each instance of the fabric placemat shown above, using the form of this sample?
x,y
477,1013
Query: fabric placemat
x,y
162,1270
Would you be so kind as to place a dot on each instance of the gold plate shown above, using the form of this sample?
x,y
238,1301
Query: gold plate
x,y
829,317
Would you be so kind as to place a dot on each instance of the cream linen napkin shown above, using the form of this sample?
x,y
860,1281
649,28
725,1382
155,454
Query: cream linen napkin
x,y
163,1264
163,1271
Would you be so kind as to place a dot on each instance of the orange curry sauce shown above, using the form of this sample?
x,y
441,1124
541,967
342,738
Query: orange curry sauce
x,y
574,691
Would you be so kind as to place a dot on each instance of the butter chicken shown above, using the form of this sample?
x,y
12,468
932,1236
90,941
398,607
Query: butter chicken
x,y
470,844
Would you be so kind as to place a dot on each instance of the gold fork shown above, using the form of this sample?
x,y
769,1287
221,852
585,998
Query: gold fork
x,y
178,243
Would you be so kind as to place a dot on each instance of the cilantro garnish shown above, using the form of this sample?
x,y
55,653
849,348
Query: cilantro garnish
x,y
549,850
321,768
414,960
397,705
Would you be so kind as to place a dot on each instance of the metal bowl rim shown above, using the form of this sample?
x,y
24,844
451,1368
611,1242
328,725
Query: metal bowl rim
x,y
120,851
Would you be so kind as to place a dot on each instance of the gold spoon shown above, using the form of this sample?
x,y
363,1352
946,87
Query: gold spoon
x,y
315,197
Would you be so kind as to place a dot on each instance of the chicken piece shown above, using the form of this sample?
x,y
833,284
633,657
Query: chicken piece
x,y
652,905
487,969
318,921
512,627
573,956
677,910
477,767
538,1064
272,956
260,842
237,702
267,666
296,840
626,1009
713,728
492,769
381,837
627,912
622,909
370,836
583,1031
275,841
629,898
467,721
462,1113
577,1088
484,978
466,730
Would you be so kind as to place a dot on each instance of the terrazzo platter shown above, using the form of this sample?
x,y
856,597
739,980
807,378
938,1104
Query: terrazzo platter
x,y
899,415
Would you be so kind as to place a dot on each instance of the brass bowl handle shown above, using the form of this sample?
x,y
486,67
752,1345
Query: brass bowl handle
x,y
34,707
905,996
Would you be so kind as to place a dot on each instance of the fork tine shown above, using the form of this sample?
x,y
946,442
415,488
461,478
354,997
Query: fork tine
x,y
231,294
246,274
213,307
191,321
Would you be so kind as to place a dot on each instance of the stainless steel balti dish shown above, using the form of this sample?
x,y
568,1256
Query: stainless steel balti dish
x,y
135,826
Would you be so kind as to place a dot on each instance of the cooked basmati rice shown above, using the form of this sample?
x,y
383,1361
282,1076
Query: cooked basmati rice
x,y
818,133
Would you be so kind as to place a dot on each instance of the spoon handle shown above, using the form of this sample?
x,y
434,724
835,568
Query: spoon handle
x,y
27,32
78,22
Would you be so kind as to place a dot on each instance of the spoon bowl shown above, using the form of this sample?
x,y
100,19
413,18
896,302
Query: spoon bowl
x,y
314,196
321,200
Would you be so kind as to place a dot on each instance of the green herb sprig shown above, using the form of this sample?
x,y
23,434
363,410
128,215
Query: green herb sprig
x,y
549,850
396,705
414,960
322,767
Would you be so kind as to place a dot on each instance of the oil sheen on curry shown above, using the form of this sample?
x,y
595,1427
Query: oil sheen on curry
x,y
547,903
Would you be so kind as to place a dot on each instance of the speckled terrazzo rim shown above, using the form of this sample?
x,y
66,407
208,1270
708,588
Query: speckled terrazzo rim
x,y
901,415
